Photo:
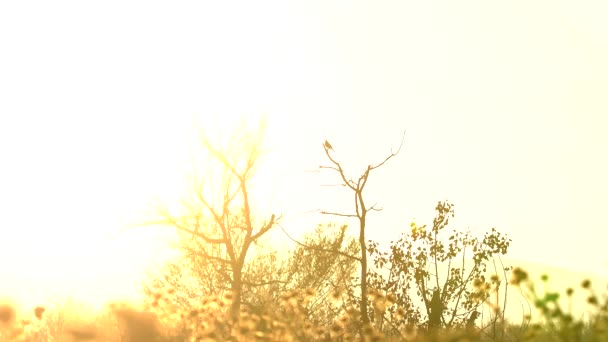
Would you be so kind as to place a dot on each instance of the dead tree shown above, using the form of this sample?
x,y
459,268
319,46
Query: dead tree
x,y
361,209
220,220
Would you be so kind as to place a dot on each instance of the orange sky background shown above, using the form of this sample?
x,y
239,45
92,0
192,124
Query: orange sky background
x,y
504,105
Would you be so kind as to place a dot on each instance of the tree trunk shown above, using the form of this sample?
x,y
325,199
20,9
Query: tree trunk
x,y
363,306
237,287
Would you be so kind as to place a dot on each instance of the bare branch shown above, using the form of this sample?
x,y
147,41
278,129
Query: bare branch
x,y
338,168
357,209
206,255
391,155
338,214
273,221
373,208
200,235
169,220
328,167
216,217
217,154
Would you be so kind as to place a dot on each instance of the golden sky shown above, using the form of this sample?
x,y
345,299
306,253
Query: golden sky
x,y
504,105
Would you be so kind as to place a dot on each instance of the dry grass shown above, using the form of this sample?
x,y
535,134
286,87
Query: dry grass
x,y
290,321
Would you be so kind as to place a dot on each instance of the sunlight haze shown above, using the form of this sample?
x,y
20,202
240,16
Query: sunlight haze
x,y
503,106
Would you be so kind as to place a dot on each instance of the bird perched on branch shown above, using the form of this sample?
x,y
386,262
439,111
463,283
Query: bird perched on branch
x,y
327,145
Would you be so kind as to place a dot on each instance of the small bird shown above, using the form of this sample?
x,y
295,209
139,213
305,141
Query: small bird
x,y
328,145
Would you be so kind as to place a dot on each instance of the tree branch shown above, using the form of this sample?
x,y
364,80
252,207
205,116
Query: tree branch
x,y
393,154
338,214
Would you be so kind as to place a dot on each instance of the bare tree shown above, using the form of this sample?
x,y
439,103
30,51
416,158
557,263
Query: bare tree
x,y
219,220
361,209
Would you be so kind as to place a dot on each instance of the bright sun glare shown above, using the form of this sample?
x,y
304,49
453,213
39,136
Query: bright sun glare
x,y
75,234
103,105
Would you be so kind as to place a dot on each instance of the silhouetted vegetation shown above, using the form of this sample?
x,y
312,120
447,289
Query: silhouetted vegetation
x,y
433,283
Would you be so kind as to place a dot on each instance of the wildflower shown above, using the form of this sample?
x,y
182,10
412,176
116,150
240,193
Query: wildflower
x,y
286,296
519,275
477,283
380,305
372,294
400,313
368,330
352,312
336,295
38,311
335,329
82,333
319,332
244,329
586,284
410,329
7,313
592,300
260,334
377,336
